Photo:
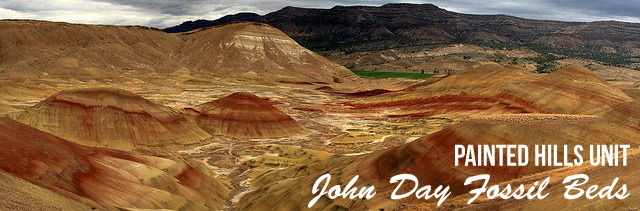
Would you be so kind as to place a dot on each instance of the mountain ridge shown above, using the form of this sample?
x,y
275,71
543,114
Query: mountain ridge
x,y
358,28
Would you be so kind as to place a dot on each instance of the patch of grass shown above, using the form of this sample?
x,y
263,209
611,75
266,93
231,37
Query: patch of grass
x,y
391,74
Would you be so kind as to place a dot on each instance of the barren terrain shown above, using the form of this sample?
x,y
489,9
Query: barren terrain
x,y
241,117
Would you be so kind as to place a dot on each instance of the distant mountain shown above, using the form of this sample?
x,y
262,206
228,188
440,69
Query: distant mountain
x,y
365,28
191,25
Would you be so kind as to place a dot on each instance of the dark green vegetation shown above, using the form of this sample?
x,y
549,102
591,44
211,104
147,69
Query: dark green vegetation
x,y
391,74
392,26
546,63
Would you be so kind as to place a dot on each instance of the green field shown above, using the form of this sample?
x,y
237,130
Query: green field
x,y
391,74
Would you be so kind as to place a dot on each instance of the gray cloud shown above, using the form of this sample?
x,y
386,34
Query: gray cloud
x,y
171,7
164,13
566,10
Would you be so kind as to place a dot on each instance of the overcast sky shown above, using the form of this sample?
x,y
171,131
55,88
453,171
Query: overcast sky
x,y
165,13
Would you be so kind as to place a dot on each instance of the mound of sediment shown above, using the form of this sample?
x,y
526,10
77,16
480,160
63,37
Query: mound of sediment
x,y
103,178
493,89
45,49
23,91
18,194
599,175
63,49
627,114
235,49
111,118
431,160
7,109
245,115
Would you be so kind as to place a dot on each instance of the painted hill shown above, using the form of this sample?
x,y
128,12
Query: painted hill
x,y
506,106
41,49
112,118
601,176
234,49
103,178
431,160
18,194
245,115
625,114
492,89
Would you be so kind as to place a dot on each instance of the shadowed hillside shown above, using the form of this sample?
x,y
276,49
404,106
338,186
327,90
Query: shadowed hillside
x,y
367,28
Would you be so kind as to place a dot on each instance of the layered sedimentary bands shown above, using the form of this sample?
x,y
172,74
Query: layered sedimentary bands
x,y
235,49
102,178
18,194
244,115
492,89
600,176
37,48
112,118
90,147
571,106
431,160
